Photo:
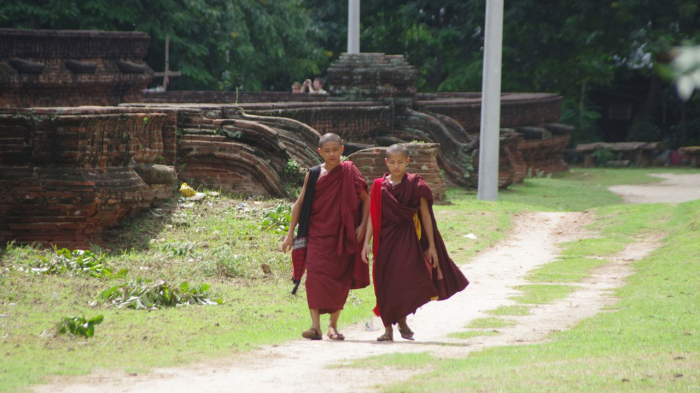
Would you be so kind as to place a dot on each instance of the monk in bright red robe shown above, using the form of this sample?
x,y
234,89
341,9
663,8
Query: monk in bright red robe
x,y
339,216
411,264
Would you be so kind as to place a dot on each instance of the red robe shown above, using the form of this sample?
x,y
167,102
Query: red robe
x,y
333,260
403,279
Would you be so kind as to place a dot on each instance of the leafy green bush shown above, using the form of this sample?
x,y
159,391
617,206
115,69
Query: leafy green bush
x,y
78,326
602,156
584,122
643,131
294,173
75,263
145,294
278,219
180,249
228,264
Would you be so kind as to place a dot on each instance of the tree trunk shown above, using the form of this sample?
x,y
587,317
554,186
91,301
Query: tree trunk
x,y
651,102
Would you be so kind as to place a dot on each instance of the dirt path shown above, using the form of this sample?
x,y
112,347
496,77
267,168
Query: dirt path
x,y
674,189
493,274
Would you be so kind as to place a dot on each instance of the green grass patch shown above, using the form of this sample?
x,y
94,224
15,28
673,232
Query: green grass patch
x,y
510,310
474,333
490,323
221,242
649,343
565,270
580,188
397,361
542,293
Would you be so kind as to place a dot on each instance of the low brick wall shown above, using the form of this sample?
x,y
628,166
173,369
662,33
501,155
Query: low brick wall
x,y
544,155
66,174
228,97
423,162
353,121
70,68
517,109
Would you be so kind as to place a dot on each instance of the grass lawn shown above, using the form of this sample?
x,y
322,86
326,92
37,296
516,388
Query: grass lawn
x,y
648,342
220,241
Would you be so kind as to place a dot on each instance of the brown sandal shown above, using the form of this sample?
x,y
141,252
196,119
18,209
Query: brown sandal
x,y
336,336
386,337
406,334
312,334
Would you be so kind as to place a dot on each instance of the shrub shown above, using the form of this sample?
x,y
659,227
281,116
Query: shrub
x,y
76,262
602,156
78,326
277,220
145,294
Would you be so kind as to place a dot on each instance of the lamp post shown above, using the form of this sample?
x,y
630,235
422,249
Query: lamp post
x,y
353,26
491,102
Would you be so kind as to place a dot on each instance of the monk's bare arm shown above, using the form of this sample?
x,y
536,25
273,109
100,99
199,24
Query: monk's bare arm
x,y
428,230
296,212
364,198
368,236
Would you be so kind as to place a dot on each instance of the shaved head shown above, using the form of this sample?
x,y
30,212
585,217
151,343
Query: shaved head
x,y
329,137
397,149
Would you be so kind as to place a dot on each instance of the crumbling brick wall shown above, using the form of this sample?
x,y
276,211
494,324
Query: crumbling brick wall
x,y
423,162
67,173
517,109
40,68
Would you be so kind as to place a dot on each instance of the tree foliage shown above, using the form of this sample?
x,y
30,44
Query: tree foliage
x,y
558,46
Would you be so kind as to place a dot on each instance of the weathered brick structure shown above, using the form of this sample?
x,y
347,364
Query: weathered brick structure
x,y
228,97
66,174
373,102
423,162
71,68
637,153
517,109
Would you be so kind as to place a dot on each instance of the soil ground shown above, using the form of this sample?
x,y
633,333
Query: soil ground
x,y
673,189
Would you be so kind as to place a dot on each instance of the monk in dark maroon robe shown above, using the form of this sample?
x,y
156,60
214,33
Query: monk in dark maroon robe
x,y
333,243
339,215
411,264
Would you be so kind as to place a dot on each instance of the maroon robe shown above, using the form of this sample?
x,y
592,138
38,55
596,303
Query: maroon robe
x,y
333,261
403,279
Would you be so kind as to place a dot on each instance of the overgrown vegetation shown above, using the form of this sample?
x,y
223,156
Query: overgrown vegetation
x,y
277,220
145,294
78,325
75,262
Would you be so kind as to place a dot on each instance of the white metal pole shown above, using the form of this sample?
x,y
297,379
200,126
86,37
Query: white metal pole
x,y
353,26
491,102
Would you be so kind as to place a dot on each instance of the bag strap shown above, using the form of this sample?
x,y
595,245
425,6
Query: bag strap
x,y
305,216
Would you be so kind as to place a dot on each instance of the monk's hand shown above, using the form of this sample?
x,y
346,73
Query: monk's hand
x,y
287,244
432,255
360,231
365,253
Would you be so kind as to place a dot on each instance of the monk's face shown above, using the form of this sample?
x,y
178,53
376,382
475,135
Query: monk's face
x,y
396,164
331,152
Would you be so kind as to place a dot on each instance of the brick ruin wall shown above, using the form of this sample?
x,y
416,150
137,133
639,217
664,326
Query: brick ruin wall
x,y
356,122
517,109
66,174
423,162
71,68
228,97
